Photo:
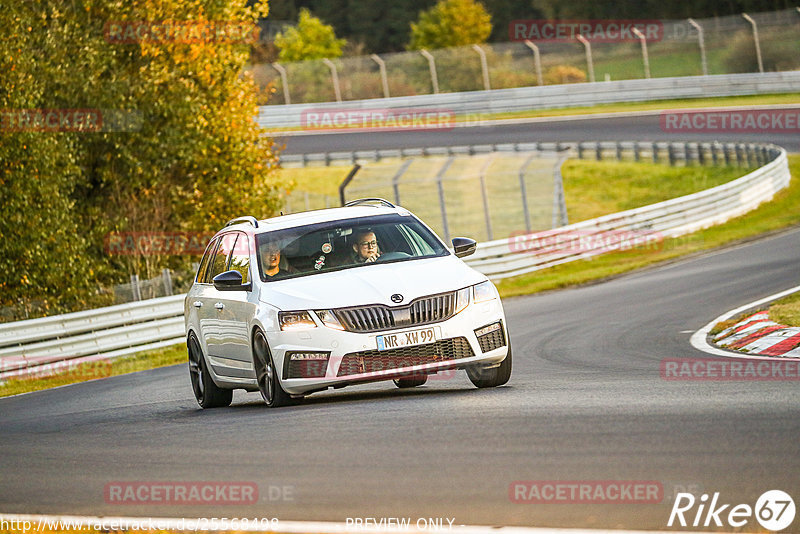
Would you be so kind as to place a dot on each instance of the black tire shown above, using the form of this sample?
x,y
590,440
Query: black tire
x,y
491,378
411,381
267,375
206,392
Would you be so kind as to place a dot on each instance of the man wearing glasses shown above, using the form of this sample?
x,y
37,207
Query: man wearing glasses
x,y
365,246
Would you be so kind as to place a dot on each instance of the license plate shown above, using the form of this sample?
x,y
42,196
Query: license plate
x,y
406,339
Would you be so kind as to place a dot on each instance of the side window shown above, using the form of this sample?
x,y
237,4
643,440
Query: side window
x,y
240,259
206,261
223,255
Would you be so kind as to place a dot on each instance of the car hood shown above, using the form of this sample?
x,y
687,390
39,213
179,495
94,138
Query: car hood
x,y
371,284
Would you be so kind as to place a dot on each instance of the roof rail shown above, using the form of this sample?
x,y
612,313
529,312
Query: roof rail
x,y
246,219
373,200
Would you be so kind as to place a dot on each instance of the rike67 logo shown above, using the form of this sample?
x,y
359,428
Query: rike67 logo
x,y
774,510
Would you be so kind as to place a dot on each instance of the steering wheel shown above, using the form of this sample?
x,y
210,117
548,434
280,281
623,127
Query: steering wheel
x,y
389,256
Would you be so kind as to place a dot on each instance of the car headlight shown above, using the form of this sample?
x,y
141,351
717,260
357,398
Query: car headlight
x,y
296,320
329,319
483,292
462,299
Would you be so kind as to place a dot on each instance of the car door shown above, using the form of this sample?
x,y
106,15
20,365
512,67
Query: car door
x,y
228,338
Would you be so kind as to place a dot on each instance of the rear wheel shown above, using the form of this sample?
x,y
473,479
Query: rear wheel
x,y
207,393
493,377
410,382
266,374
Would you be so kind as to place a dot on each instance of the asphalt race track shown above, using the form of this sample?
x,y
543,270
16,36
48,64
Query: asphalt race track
x,y
586,128
585,402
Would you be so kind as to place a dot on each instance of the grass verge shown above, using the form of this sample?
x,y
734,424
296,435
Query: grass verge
x,y
100,369
786,310
782,212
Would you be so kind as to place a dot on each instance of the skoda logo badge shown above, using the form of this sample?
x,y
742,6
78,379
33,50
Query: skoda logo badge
x,y
397,298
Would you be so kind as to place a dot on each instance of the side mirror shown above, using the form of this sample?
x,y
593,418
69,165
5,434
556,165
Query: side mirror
x,y
464,246
231,281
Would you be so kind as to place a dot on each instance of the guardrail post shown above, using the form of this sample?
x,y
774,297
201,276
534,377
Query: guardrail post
x,y
671,154
598,151
440,186
702,42
739,158
701,157
687,154
645,56
384,79
396,179
589,61
655,152
749,19
284,82
537,60
749,151
484,67
334,78
726,150
637,156
523,189
714,156
166,279
432,67
485,196
346,181
135,289
580,150
619,151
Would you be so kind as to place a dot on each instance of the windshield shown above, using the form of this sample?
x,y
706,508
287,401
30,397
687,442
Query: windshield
x,y
344,244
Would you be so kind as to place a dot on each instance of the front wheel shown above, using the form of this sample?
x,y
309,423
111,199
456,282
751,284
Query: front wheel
x,y
490,378
266,374
207,393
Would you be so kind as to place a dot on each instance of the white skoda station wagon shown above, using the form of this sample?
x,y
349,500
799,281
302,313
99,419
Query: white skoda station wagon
x,y
323,299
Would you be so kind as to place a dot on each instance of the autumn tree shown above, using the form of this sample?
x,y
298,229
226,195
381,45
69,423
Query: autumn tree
x,y
451,23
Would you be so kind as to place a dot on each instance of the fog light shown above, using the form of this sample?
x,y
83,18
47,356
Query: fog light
x,y
306,364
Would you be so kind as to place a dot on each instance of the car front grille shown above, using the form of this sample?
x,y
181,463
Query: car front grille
x,y
425,310
371,361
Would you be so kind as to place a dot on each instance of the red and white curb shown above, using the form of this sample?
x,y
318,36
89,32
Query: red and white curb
x,y
754,337
43,523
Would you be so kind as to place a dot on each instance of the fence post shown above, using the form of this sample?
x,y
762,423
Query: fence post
x,y
537,60
166,278
523,189
484,67
335,78
645,56
598,151
637,156
726,150
701,158
384,79
432,66
687,154
749,19
702,42
396,179
284,82
485,196
589,61
580,150
346,181
619,150
135,289
442,206
671,154
739,158
559,202
655,152
714,155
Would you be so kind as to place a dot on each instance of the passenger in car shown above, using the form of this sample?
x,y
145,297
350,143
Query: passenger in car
x,y
365,246
272,263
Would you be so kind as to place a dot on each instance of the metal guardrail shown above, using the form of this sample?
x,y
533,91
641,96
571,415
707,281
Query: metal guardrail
x,y
551,96
521,254
28,346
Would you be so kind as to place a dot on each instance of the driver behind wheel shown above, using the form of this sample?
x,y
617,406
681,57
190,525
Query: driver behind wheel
x,y
365,246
